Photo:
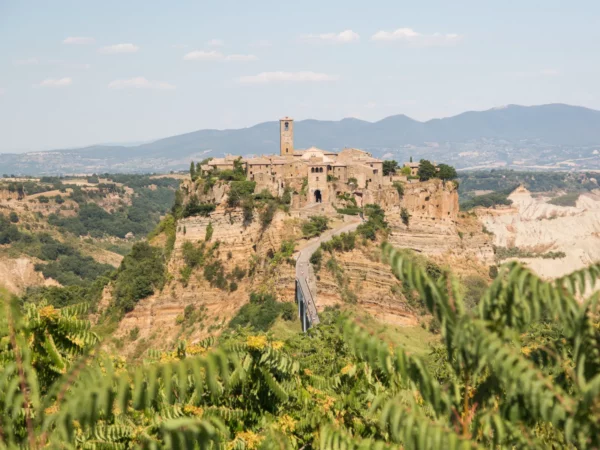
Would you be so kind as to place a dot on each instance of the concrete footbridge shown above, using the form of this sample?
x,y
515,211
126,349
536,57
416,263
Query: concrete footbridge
x,y
306,285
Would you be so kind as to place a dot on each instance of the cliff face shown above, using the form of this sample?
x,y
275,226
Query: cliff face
x,y
247,247
357,277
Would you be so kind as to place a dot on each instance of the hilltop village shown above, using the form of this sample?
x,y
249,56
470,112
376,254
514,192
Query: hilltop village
x,y
315,172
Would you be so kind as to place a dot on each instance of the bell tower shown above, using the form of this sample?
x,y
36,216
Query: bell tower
x,y
286,136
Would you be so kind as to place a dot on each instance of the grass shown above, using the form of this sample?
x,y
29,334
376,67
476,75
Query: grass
x,y
414,340
284,329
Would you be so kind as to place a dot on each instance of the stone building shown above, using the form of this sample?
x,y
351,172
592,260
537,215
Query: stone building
x,y
318,166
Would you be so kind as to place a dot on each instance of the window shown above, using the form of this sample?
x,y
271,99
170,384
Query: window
x,y
287,126
375,171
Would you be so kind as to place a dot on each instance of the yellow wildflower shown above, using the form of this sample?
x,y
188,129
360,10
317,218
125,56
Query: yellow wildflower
x,y
252,440
308,372
286,423
193,410
48,312
51,409
194,350
277,345
347,369
526,350
256,342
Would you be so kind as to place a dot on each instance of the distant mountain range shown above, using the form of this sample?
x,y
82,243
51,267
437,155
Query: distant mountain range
x,y
550,136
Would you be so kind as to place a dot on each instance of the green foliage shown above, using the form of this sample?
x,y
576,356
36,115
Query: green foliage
x,y
43,199
446,172
315,226
389,167
139,275
13,217
239,191
503,253
209,232
405,171
168,226
405,216
194,208
375,223
261,312
426,170
267,214
316,259
140,218
400,188
569,199
192,171
72,269
488,200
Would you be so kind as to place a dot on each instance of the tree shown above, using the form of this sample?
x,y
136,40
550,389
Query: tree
x,y
405,216
426,170
405,171
14,218
192,170
390,167
446,172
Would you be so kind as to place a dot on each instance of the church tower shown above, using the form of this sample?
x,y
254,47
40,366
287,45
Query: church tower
x,y
286,136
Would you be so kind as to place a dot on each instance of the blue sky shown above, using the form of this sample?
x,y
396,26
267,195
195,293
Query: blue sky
x,y
80,72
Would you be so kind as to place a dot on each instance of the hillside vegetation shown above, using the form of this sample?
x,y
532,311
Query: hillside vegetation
x,y
519,371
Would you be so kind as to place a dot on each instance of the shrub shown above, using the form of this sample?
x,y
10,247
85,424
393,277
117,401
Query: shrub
x,y
314,226
240,191
400,188
405,216
209,232
139,275
13,217
43,199
267,214
195,208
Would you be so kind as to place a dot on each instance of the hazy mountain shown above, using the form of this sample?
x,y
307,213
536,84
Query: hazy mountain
x,y
553,132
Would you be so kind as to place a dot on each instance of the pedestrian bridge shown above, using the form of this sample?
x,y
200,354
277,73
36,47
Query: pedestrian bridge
x,y
307,309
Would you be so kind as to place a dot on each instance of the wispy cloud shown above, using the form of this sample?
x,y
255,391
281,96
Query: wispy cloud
x,y
213,55
140,83
345,37
241,58
278,77
408,36
26,62
216,43
79,40
55,82
119,48
201,55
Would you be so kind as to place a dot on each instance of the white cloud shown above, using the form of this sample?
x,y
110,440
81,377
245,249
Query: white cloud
x,y
79,40
215,43
344,37
409,36
241,58
26,62
140,83
201,55
213,55
55,82
119,48
275,77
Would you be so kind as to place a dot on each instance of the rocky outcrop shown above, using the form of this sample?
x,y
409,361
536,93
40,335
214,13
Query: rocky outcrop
x,y
532,224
